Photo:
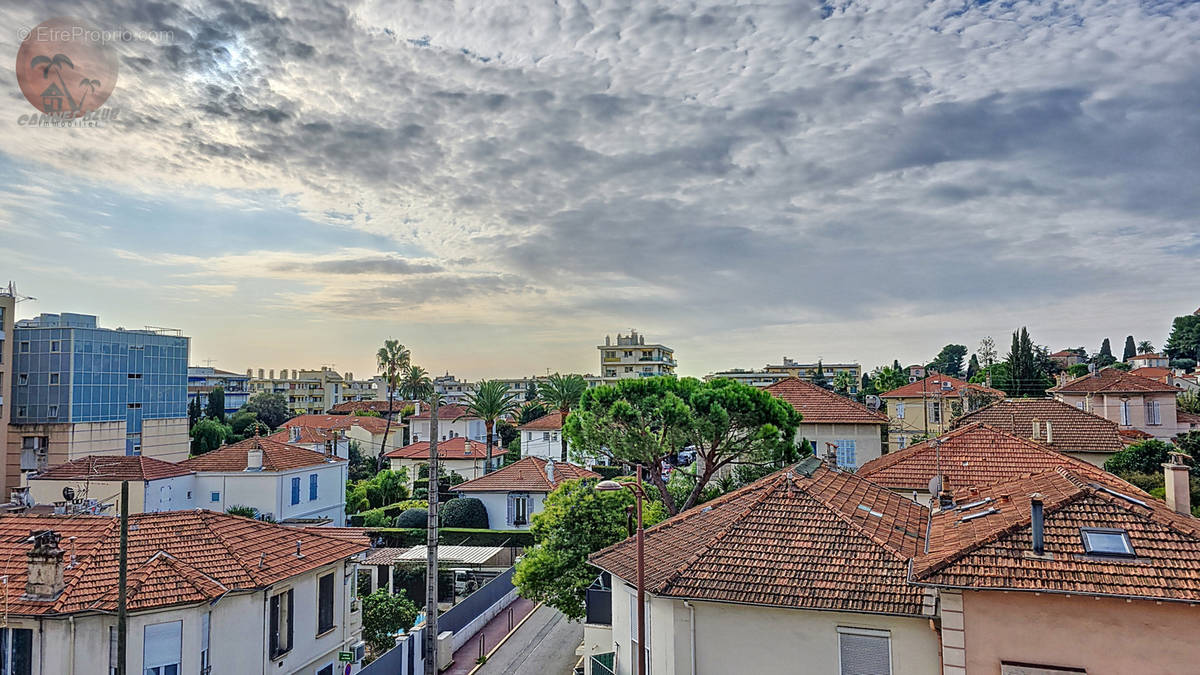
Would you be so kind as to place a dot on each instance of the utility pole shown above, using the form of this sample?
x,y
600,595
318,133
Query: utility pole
x,y
122,617
431,545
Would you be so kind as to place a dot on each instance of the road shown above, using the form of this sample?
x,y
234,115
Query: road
x,y
544,645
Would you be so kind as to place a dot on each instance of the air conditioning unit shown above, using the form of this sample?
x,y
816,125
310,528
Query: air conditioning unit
x,y
947,386
359,650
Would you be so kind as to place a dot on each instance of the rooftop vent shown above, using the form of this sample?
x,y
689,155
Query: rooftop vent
x,y
869,511
981,514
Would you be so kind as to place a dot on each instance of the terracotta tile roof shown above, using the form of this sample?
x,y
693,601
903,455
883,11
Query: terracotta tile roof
x,y
989,552
1111,380
1073,429
548,422
383,556
817,545
113,467
373,425
277,456
450,411
175,557
975,455
933,387
1154,373
1062,353
1145,357
356,535
375,406
525,475
821,406
304,435
1131,436
1187,418
459,447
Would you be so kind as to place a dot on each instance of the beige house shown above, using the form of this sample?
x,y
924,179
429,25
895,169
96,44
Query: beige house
x,y
513,494
805,568
94,482
1132,401
830,420
368,431
459,455
928,406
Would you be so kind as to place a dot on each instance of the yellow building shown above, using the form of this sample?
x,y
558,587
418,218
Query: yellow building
x,y
306,391
927,407
632,357
808,371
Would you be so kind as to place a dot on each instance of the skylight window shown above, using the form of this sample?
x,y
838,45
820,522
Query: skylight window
x,y
1103,541
869,510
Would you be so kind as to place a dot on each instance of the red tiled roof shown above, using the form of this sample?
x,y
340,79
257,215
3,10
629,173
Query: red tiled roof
x,y
1154,373
1111,380
815,544
1073,429
459,447
1140,357
305,435
989,552
820,406
932,387
355,535
277,456
1131,436
175,557
1064,353
380,407
1187,418
373,425
450,411
975,455
525,475
548,422
113,467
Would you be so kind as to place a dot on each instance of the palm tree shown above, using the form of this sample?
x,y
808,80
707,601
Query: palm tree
x,y
56,63
393,359
1145,347
415,385
489,402
561,393
89,86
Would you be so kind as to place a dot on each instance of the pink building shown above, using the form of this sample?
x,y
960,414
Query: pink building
x,y
1132,401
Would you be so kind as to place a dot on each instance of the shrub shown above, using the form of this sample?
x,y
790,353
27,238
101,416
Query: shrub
x,y
1144,457
413,518
242,510
607,472
465,512
374,518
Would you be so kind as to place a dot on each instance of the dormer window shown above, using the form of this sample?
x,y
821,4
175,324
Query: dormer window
x,y
1106,542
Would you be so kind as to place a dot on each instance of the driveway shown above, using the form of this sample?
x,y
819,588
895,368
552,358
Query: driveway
x,y
544,645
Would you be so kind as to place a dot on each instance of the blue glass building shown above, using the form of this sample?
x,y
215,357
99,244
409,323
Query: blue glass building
x,y
67,370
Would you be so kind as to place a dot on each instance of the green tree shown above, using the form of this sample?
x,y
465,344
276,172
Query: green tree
x,y
563,393
490,402
241,421
1145,347
1146,457
195,411
644,420
216,405
360,466
818,377
1078,370
392,360
972,367
1186,365
1024,376
1184,341
1104,357
531,390
949,361
412,518
575,522
1188,402
530,412
987,352
843,381
887,379
242,510
208,435
384,616
270,408
464,512
1130,348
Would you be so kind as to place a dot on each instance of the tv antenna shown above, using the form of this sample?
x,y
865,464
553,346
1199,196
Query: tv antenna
x,y
17,297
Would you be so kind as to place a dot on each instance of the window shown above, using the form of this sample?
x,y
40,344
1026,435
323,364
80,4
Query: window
x,y
55,346
22,379
112,650
327,670
903,442
205,630
633,630
1104,541
862,650
1152,413
935,413
295,490
325,603
21,411
280,635
24,347
312,487
161,647
16,651
214,497
518,509
53,378
900,410
545,435
1125,413
53,411
845,453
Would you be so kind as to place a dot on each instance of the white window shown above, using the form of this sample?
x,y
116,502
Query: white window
x,y
205,630
112,650
935,412
903,442
161,647
16,651
845,454
518,509
900,410
633,631
546,436
862,651
1125,413
1152,413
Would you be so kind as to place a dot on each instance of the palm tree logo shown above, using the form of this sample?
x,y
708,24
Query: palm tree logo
x,y
56,64
46,66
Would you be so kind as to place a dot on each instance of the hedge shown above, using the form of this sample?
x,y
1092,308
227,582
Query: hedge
x,y
609,472
464,512
412,518
399,537
389,512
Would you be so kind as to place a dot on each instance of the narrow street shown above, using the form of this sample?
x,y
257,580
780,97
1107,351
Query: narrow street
x,y
544,645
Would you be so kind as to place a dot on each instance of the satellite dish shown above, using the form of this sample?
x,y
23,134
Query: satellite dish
x,y
935,485
69,493
873,402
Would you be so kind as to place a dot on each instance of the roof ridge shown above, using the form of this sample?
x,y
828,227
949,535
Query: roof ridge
x,y
205,522
859,528
1157,512
87,563
831,395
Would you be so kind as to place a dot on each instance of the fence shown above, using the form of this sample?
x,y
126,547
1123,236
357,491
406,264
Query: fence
x,y
406,658
476,604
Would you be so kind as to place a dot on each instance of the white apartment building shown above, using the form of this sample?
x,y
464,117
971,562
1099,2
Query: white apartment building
x,y
306,391
513,494
754,378
207,593
632,357
453,422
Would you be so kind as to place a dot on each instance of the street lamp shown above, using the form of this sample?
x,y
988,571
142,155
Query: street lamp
x,y
635,486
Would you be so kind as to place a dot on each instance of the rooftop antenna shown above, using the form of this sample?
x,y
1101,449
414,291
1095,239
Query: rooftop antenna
x,y
12,292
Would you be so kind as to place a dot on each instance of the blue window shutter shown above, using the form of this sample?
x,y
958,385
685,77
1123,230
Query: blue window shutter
x,y
312,487
295,491
511,509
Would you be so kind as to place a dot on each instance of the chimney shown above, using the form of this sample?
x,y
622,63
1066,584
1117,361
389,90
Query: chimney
x,y
293,434
831,454
416,408
550,471
254,459
1049,433
260,373
1179,497
1037,521
271,373
1037,428
45,580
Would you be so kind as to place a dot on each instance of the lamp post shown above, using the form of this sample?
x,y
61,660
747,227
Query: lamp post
x,y
635,486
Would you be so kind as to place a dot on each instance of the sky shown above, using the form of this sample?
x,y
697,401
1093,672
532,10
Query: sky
x,y
500,185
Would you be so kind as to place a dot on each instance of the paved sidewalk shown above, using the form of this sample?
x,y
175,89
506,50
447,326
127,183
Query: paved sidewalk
x,y
492,633
544,645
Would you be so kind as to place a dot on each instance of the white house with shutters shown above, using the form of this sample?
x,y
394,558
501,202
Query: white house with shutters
x,y
513,494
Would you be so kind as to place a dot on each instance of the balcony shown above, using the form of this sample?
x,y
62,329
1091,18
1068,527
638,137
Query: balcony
x,y
598,604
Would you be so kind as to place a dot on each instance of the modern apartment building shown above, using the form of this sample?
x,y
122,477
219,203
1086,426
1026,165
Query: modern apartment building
x,y
754,378
808,371
373,389
79,389
306,391
12,461
632,357
202,380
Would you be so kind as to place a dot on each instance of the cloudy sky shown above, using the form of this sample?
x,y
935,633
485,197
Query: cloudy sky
x,y
499,185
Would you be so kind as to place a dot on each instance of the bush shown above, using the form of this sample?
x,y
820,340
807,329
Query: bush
x,y
242,510
464,512
388,512
374,518
607,472
413,518
1146,457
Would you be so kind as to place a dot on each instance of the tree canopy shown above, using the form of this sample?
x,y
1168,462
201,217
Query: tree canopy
x,y
1130,348
1026,368
575,522
208,435
271,408
216,405
384,615
887,379
949,361
1184,341
644,420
